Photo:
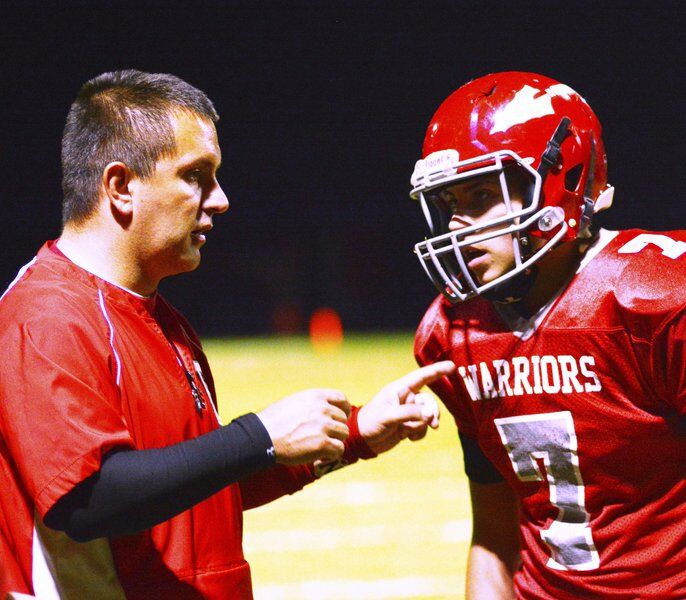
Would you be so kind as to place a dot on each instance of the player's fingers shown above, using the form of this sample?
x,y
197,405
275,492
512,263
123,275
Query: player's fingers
x,y
332,450
417,433
418,378
400,413
336,413
414,426
332,396
338,399
430,411
337,430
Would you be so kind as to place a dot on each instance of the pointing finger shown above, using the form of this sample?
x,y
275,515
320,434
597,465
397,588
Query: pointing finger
x,y
430,410
418,378
402,413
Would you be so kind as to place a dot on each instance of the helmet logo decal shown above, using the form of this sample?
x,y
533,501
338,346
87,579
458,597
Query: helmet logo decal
x,y
522,108
436,165
560,89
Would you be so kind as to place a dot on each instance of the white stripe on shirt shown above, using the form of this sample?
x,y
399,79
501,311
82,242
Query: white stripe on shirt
x,y
109,323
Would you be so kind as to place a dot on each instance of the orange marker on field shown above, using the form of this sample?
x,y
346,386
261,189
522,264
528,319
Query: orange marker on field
x,y
326,330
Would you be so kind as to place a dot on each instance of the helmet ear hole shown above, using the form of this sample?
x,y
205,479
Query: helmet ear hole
x,y
572,177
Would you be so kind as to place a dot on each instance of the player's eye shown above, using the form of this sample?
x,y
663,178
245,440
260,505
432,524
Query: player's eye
x,y
447,202
481,199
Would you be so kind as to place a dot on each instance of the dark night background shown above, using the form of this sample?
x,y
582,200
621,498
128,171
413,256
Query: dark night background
x,y
324,106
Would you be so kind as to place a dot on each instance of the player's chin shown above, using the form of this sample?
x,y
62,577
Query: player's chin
x,y
491,273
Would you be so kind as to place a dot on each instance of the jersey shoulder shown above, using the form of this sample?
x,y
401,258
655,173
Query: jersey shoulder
x,y
637,281
433,337
647,270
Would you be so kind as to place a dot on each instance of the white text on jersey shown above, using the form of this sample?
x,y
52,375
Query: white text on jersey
x,y
519,375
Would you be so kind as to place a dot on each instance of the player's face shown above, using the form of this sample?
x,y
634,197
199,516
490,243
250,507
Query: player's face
x,y
173,208
473,202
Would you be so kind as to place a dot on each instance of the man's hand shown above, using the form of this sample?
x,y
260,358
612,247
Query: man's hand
x,y
400,411
308,426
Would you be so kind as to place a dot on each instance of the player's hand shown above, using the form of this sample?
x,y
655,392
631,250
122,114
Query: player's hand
x,y
400,411
308,426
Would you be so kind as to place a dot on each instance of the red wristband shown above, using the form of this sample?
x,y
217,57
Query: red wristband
x,y
355,448
355,445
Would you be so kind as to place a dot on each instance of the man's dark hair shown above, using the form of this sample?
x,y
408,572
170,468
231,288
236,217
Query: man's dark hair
x,y
121,116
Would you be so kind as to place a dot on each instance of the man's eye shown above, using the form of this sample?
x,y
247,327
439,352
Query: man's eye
x,y
194,176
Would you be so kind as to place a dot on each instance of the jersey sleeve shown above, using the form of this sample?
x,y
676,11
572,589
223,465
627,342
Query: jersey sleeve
x,y
669,361
432,344
60,411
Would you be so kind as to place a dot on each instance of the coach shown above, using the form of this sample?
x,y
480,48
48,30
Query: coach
x,y
116,478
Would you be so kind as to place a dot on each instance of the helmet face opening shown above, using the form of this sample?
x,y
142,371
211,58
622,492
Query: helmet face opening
x,y
518,188
497,126
512,213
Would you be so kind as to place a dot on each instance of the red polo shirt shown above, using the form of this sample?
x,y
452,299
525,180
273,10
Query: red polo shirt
x,y
87,367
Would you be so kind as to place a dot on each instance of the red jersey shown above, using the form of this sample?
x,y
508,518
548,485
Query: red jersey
x,y
581,409
87,367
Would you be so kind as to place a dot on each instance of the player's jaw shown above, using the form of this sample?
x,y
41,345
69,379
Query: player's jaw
x,y
489,259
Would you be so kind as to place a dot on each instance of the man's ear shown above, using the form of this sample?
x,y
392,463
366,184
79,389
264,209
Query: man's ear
x,y
116,179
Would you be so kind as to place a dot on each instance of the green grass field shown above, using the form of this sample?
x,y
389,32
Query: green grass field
x,y
394,527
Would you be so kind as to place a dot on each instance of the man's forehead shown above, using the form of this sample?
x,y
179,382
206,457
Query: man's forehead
x,y
195,136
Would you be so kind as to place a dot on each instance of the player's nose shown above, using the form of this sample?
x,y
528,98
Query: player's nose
x,y
458,221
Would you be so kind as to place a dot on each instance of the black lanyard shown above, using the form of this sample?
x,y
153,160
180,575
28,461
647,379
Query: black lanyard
x,y
197,395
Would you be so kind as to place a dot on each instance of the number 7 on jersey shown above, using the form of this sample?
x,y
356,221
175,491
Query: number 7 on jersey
x,y
551,437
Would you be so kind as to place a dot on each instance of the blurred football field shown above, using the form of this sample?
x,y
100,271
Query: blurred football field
x,y
389,528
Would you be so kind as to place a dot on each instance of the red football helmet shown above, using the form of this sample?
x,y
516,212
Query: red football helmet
x,y
525,120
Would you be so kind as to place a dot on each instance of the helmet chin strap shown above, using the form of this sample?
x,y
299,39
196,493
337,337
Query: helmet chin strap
x,y
514,289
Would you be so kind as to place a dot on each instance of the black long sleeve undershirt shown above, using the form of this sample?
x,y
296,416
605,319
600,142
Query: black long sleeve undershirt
x,y
136,489
476,465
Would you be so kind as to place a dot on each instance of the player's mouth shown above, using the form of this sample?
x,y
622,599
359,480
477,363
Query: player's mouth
x,y
198,235
473,257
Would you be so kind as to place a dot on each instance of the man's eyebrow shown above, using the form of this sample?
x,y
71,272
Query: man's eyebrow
x,y
202,161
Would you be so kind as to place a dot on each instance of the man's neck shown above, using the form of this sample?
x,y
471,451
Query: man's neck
x,y
98,253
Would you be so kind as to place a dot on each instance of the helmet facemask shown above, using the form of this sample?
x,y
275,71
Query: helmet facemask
x,y
445,256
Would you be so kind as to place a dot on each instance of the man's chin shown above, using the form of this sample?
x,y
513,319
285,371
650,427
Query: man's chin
x,y
189,262
193,264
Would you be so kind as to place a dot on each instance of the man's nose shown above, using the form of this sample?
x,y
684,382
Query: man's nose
x,y
217,202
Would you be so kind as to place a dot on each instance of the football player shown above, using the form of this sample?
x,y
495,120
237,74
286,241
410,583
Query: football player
x,y
570,343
